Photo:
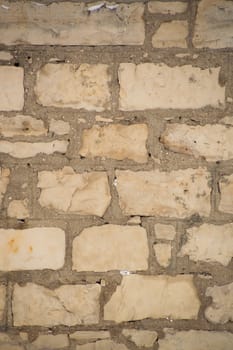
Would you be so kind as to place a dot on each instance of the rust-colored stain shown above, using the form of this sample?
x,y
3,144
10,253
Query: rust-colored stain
x,y
30,249
13,246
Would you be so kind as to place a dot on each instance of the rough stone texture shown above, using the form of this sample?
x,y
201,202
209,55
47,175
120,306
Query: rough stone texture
x,y
102,345
148,86
50,341
6,343
68,23
226,190
211,142
170,8
4,181
140,297
171,34
33,248
140,337
86,193
227,120
163,231
209,243
196,340
91,336
21,125
2,300
176,194
11,88
67,305
116,141
111,247
18,209
59,127
5,56
221,309
214,24
69,85
163,253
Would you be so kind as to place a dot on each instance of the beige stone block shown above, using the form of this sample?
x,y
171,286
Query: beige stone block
x,y
179,193
11,88
196,340
5,56
150,86
21,125
76,86
111,247
4,182
211,142
139,297
140,337
171,34
214,24
116,141
33,248
226,190
102,345
221,308
59,127
67,305
50,341
71,23
91,336
65,190
209,243
163,253
2,300
163,231
228,120
18,209
167,8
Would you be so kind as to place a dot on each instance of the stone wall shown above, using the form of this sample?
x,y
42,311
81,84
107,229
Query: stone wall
x,y
116,183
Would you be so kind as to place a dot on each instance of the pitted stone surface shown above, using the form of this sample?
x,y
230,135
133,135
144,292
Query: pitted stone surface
x,y
21,125
11,88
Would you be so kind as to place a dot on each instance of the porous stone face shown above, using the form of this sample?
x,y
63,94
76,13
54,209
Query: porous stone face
x,y
67,305
2,300
11,88
102,345
209,243
226,190
163,296
167,8
84,86
149,86
163,253
214,24
179,193
4,181
35,248
116,141
91,336
59,127
21,125
69,23
111,247
171,34
211,142
18,209
196,340
140,337
221,309
84,194
163,231
50,341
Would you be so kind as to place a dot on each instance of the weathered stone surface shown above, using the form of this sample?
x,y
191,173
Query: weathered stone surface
x,y
50,341
226,190
209,243
29,149
59,127
196,340
212,142
111,247
67,305
214,24
140,337
6,343
85,194
221,309
5,56
18,209
102,345
4,181
69,23
148,86
116,141
140,297
163,231
228,120
171,34
179,193
21,125
33,248
91,336
84,86
167,8
2,300
11,88
163,253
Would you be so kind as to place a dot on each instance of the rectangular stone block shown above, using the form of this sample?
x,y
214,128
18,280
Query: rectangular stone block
x,y
167,7
178,193
33,248
11,88
150,86
35,305
70,23
21,125
68,85
4,182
